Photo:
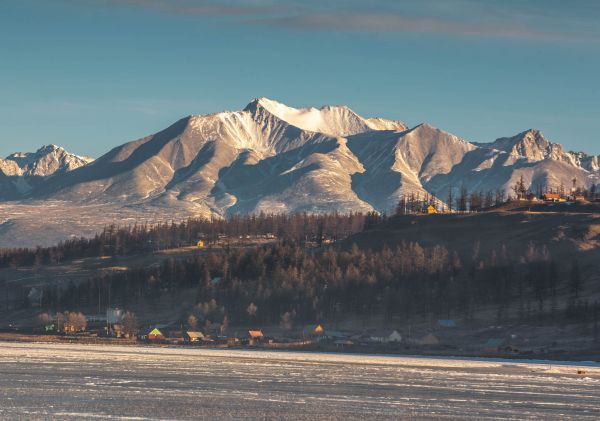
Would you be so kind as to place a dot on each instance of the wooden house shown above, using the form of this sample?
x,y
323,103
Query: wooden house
x,y
155,335
193,337
255,334
552,197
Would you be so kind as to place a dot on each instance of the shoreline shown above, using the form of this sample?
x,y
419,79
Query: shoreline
x,y
580,358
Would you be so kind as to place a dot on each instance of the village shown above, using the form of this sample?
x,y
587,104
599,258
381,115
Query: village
x,y
437,337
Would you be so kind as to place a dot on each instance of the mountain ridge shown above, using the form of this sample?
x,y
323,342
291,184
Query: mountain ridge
x,y
270,157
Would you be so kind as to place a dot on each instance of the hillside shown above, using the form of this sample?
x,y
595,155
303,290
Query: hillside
x,y
532,276
567,232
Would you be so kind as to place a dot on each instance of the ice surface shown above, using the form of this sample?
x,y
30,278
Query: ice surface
x,y
49,381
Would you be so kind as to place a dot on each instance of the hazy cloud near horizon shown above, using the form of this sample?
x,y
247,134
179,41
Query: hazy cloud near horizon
x,y
532,20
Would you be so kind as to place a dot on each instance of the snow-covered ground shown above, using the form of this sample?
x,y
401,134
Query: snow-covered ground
x,y
55,381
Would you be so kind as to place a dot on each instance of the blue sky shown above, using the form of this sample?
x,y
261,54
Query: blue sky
x,y
92,74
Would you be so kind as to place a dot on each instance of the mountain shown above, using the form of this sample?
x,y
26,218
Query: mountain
x,y
541,163
21,172
270,157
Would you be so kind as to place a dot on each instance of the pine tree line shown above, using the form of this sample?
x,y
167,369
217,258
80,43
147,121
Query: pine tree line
x,y
121,241
260,285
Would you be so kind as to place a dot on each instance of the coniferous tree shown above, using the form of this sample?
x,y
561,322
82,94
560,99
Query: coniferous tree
x,y
450,199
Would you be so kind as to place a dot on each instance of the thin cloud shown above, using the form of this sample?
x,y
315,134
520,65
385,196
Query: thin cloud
x,y
476,20
202,7
378,22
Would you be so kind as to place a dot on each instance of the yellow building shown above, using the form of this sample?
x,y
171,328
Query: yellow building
x,y
431,210
156,334
200,244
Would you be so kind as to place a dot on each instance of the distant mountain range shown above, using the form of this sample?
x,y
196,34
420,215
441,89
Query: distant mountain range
x,y
273,157
21,172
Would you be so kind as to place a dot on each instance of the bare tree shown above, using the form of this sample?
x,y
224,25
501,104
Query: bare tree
x,y
129,323
450,200
75,322
224,326
462,199
252,309
45,319
286,320
500,197
192,322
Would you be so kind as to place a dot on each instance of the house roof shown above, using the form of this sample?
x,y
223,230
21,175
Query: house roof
x,y
155,332
195,335
255,333
395,335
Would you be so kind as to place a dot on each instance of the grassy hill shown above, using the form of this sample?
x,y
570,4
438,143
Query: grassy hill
x,y
566,231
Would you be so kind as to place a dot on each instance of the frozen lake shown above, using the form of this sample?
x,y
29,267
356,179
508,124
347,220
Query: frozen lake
x,y
61,381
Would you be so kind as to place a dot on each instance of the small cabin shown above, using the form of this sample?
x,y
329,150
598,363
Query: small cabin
x,y
551,197
255,334
431,210
394,337
155,335
192,337
200,244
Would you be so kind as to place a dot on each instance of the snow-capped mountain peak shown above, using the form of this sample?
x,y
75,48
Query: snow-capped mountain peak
x,y
333,120
532,146
21,171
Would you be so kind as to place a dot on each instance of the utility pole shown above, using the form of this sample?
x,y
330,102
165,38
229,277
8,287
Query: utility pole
x,y
6,294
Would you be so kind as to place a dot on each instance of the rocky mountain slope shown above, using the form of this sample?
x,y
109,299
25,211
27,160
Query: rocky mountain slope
x,y
274,158
21,172
271,157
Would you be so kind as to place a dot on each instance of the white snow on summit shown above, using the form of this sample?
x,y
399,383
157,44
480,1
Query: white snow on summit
x,y
336,121
20,171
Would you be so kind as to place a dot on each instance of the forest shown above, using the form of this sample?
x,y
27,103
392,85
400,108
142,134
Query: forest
x,y
299,274
126,240
300,228
286,282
